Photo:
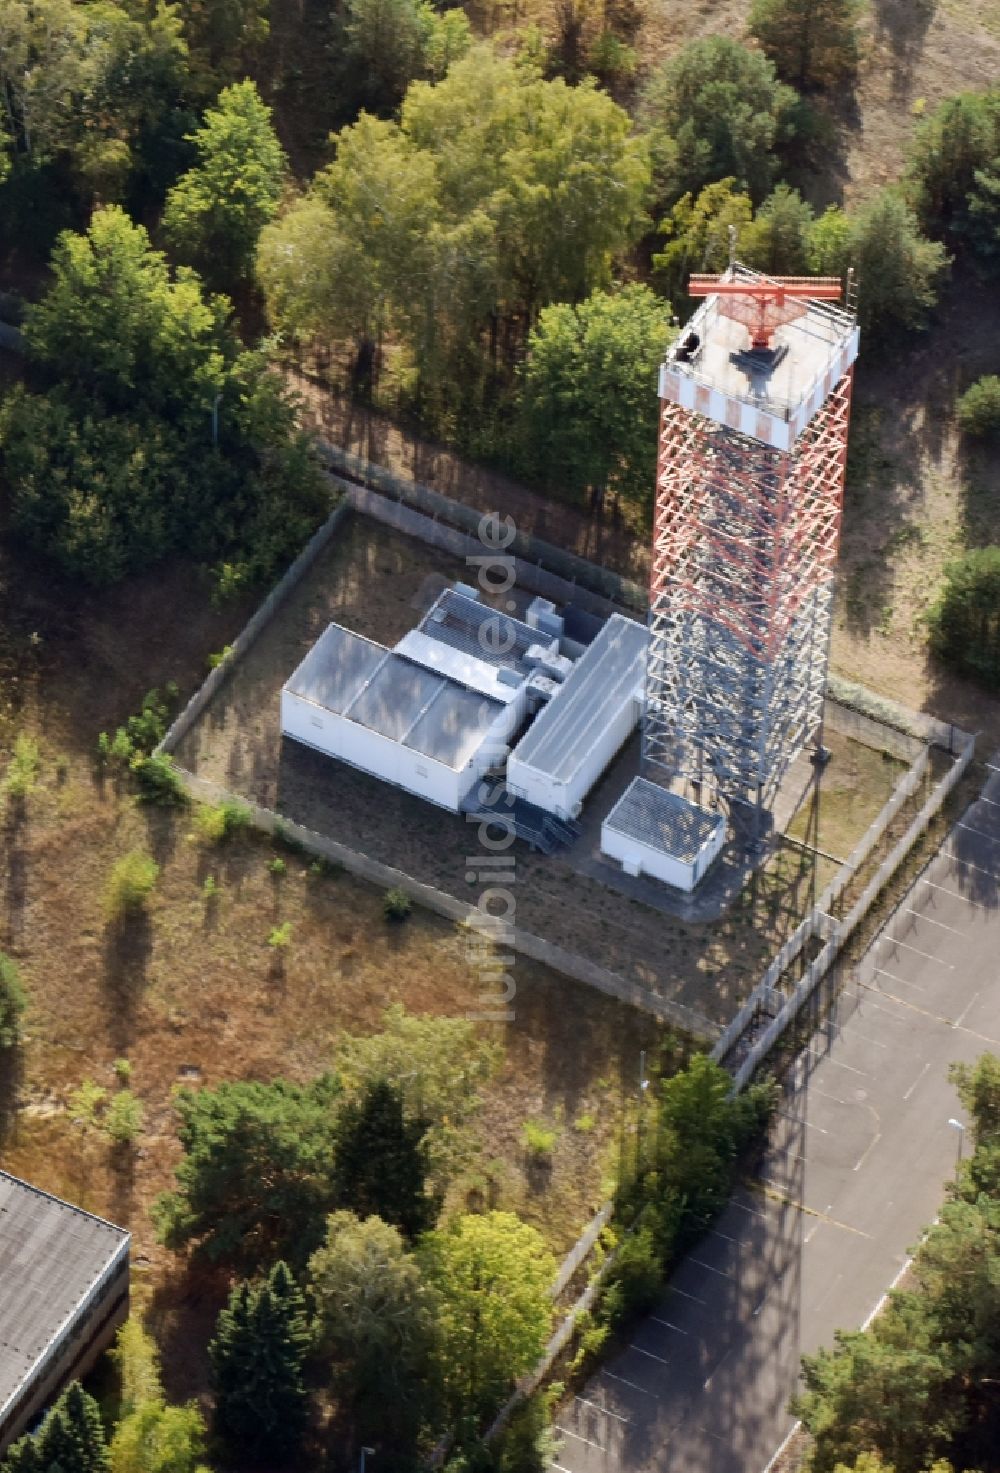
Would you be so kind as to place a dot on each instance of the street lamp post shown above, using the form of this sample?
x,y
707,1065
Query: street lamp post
x,y
959,1129
365,1452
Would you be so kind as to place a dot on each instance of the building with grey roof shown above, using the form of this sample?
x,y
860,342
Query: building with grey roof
x,y
653,831
591,715
64,1290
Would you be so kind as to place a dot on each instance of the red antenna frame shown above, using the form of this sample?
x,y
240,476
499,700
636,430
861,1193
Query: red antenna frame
x,y
767,303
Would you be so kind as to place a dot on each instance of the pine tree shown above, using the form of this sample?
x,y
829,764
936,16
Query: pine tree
x,y
71,1439
381,1161
257,1360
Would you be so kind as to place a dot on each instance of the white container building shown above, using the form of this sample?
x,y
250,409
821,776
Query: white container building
x,y
651,831
589,717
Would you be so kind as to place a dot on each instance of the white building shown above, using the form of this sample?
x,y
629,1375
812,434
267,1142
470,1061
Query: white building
x,y
589,717
651,831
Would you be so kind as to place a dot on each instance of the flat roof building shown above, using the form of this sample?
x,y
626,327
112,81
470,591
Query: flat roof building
x,y
652,831
64,1290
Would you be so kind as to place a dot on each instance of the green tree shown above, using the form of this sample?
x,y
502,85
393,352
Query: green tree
x,y
718,111
696,235
978,409
813,43
13,1001
951,159
779,239
964,622
386,42
152,431
215,212
72,1437
381,1161
898,268
257,1358
225,36
587,417
440,1065
151,1437
375,1320
255,1181
829,244
493,1276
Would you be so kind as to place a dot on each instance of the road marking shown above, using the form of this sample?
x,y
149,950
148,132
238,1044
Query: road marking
x,y
895,941
917,1080
668,1325
558,1467
813,1089
632,1385
685,1295
720,1271
751,1210
776,1193
839,1062
604,1411
650,1353
931,921
795,1120
568,1432
901,980
714,1233
977,904
962,1015
868,1150
983,798
971,864
936,1017
980,833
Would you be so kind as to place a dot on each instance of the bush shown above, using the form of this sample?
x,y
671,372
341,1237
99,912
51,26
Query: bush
x,y
539,1141
129,885
159,782
22,771
965,621
396,905
13,1001
979,408
217,824
280,937
124,1117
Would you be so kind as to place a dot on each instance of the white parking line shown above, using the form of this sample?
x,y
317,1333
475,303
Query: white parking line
x,y
968,1007
931,921
884,972
558,1467
632,1385
684,1293
829,1059
971,864
650,1354
917,1080
667,1325
714,1233
895,941
980,833
794,1119
976,904
568,1432
720,1271
604,1411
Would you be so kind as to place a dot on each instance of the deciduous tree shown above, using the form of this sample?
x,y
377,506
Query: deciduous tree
x,y
813,43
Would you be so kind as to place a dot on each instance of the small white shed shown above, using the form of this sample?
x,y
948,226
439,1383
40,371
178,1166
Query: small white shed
x,y
651,831
590,715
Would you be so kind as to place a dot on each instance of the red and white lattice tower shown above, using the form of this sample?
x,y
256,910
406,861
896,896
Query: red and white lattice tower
x,y
755,399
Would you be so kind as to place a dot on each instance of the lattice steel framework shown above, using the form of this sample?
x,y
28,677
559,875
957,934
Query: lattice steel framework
x,y
741,600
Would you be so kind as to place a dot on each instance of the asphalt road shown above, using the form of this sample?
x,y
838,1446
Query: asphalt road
x,y
855,1169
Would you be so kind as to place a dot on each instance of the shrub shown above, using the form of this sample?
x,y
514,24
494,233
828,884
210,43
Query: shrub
x,y
280,936
159,782
396,905
585,1123
217,824
277,867
965,621
131,880
13,1001
87,1102
124,1117
22,771
123,1070
538,1139
210,887
979,408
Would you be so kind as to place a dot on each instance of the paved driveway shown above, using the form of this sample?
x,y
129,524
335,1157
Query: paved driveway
x,y
855,1168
